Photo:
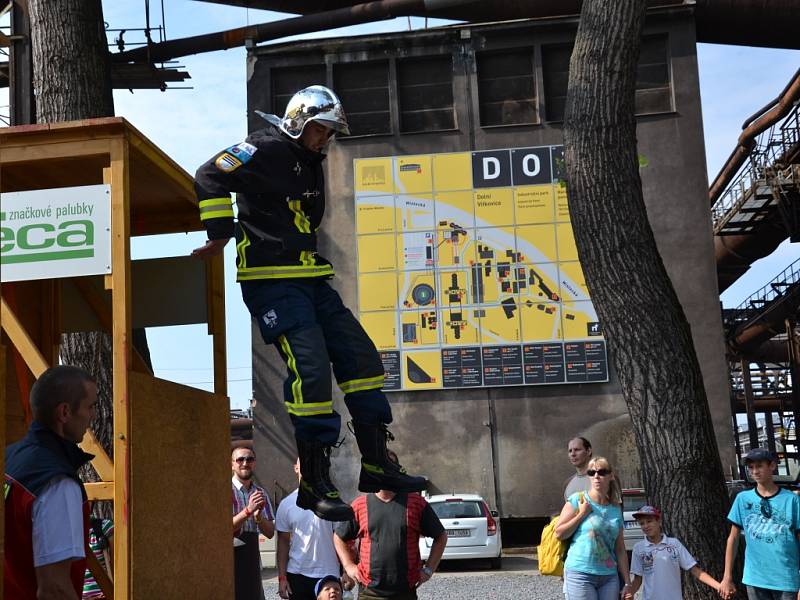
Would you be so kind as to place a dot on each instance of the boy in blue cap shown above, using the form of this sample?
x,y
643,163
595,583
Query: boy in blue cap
x,y
770,519
657,562
328,588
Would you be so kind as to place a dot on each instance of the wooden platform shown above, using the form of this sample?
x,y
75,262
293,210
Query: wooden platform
x,y
168,520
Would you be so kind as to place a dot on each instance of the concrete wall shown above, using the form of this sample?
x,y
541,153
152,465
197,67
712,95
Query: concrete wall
x,y
509,444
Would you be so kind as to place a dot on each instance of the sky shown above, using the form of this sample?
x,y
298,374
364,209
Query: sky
x,y
192,124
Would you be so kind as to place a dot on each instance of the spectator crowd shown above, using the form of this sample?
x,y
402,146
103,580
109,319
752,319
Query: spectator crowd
x,y
48,526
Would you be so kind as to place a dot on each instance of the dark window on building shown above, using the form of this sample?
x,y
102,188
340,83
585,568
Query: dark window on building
x,y
506,88
555,67
363,89
653,92
286,81
653,88
425,90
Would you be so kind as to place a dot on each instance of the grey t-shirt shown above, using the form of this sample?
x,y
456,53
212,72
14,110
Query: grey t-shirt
x,y
577,483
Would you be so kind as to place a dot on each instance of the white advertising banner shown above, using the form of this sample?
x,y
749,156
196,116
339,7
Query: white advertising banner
x,y
63,232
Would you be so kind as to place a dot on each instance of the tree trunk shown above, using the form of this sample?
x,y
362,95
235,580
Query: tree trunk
x,y
71,67
72,81
649,338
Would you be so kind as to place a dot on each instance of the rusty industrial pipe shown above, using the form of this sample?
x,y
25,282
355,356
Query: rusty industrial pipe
x,y
331,19
781,107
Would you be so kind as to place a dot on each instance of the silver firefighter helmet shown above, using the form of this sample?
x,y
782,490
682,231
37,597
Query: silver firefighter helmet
x,y
314,103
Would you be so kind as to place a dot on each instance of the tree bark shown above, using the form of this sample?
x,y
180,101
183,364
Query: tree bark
x,y
72,81
649,338
71,66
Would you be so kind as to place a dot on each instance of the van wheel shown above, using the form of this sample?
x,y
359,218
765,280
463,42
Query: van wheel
x,y
496,563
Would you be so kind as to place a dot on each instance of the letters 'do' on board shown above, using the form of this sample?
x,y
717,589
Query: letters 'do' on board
x,y
468,274
53,233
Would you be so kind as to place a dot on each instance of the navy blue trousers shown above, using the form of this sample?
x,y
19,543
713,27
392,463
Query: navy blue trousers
x,y
312,330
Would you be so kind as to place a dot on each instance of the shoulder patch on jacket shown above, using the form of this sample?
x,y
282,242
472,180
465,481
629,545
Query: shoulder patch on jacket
x,y
235,156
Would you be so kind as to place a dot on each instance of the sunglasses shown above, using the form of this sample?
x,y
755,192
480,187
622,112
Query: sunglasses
x,y
601,472
766,508
245,459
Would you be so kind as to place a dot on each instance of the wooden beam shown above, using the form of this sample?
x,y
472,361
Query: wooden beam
x,y
215,302
118,176
3,444
101,461
22,341
5,41
33,153
102,490
100,575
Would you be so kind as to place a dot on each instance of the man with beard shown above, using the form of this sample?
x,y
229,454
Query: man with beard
x,y
252,514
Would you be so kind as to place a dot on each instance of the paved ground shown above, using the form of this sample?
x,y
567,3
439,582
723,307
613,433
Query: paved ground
x,y
462,580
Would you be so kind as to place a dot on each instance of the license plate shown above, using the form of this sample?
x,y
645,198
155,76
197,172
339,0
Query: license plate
x,y
631,525
458,533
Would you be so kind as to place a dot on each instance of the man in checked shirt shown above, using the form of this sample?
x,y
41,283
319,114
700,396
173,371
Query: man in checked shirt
x,y
251,513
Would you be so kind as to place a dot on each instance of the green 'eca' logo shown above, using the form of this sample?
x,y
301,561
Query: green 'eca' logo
x,y
42,241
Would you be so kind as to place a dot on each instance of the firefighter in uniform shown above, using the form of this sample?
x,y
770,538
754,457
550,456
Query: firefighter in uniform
x,y
277,176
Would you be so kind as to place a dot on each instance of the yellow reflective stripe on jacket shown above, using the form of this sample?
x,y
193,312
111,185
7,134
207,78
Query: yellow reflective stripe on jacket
x,y
307,257
309,410
301,221
359,385
215,208
291,362
217,214
284,272
240,249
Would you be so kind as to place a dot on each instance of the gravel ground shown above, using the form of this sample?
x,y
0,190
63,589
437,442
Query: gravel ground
x,y
468,580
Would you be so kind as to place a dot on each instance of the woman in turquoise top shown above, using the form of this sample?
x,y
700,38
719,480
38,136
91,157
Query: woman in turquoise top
x,y
593,521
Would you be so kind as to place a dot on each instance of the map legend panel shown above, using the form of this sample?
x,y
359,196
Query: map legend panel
x,y
462,367
474,255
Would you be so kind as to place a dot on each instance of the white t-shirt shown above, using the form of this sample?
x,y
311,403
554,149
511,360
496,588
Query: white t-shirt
x,y
311,551
58,523
659,565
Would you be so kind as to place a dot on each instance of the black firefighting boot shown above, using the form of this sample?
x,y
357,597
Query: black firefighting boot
x,y
317,493
380,469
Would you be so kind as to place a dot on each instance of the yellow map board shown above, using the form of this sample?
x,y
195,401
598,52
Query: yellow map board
x,y
468,271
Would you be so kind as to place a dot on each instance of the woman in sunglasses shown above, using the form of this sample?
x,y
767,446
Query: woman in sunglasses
x,y
592,521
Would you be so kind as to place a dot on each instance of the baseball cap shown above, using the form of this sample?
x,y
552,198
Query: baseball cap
x,y
760,454
647,511
325,580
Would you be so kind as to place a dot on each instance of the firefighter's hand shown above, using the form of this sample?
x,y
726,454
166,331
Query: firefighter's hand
x,y
211,248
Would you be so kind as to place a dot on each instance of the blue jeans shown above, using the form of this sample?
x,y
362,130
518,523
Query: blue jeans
x,y
757,593
585,586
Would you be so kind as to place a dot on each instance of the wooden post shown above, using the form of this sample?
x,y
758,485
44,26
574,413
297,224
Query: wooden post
x,y
118,177
2,454
215,285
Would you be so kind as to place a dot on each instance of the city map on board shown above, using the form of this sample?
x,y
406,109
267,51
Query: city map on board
x,y
468,274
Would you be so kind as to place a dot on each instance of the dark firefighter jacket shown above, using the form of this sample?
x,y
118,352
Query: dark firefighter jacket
x,y
280,196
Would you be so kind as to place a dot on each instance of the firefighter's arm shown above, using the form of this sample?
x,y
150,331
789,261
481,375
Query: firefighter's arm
x,y
215,181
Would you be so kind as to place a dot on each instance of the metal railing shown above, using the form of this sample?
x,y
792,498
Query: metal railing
x,y
755,303
766,380
766,160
